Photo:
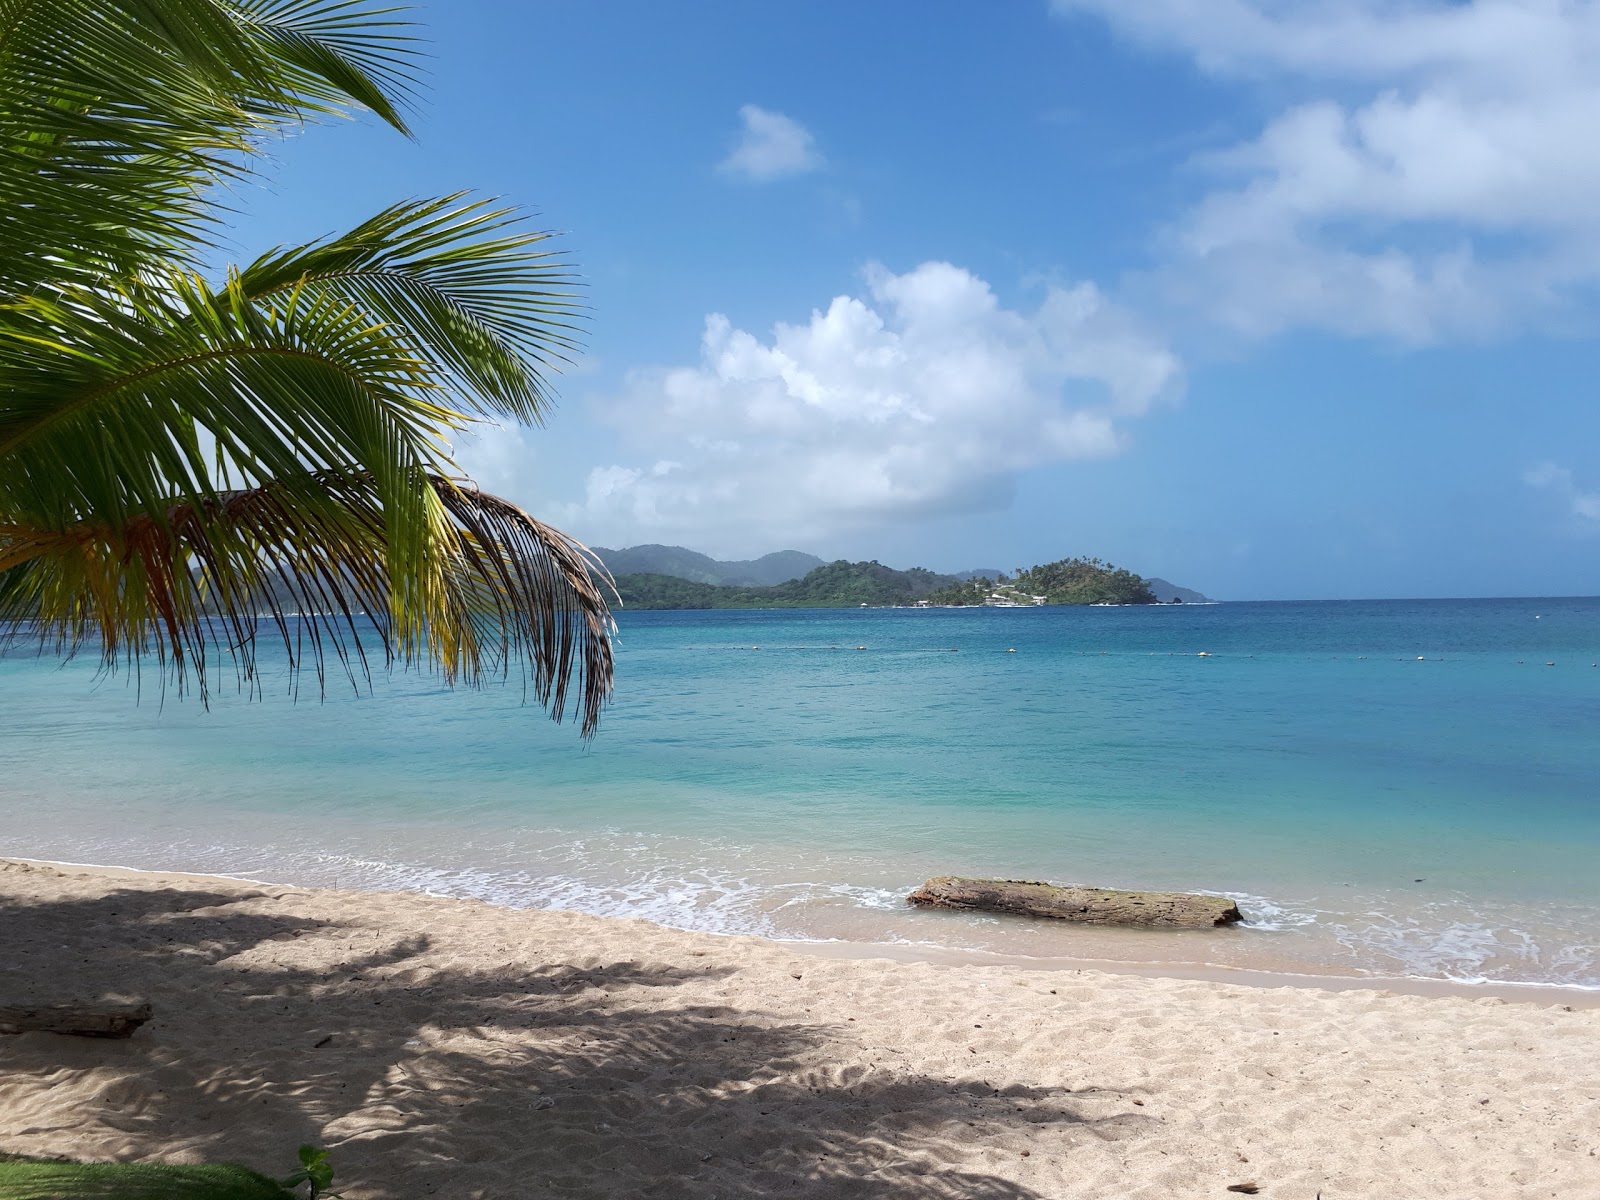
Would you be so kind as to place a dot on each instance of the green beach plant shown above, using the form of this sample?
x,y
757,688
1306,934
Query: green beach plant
x,y
316,1172
52,1179
187,461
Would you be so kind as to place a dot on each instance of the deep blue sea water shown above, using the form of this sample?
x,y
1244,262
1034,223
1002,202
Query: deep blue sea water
x,y
1390,787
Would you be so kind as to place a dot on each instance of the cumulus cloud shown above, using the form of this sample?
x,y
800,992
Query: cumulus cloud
x,y
494,457
1559,481
925,395
771,146
1436,176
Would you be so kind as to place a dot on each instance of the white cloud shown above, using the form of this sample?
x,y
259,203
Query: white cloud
x,y
493,457
1558,480
1447,183
924,396
1374,39
771,146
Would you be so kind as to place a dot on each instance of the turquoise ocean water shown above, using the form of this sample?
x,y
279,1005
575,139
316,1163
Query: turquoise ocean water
x,y
1389,787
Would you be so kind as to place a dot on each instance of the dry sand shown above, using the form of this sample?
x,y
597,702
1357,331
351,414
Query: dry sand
x,y
450,1048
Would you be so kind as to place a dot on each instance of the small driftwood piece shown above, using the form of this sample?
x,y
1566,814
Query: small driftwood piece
x,y
1092,906
102,1019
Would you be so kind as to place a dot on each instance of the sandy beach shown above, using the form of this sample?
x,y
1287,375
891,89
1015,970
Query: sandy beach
x,y
450,1048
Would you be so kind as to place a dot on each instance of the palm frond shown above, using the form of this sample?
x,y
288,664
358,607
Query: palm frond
x,y
500,592
332,52
112,391
473,291
116,115
183,463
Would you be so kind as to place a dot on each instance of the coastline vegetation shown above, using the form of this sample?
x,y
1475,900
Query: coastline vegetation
x,y
833,585
1065,581
844,584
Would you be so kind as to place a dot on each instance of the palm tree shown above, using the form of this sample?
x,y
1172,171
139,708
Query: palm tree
x,y
188,465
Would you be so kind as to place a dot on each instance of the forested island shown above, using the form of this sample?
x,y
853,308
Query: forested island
x,y
844,584
1065,581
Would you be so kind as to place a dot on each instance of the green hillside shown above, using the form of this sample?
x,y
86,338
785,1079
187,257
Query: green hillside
x,y
833,585
848,585
777,567
1065,581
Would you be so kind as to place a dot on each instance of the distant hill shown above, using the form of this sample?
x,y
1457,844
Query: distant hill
x,y
1065,581
848,585
832,585
676,577
777,567
1165,592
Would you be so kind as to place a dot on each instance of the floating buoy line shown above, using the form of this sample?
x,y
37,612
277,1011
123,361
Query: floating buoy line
x,y
1108,653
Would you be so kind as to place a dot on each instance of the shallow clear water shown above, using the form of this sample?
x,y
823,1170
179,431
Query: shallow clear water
x,y
1394,787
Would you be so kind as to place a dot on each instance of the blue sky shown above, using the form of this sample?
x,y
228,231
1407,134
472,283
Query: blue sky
x,y
1273,300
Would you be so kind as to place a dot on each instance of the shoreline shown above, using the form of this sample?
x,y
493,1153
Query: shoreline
x,y
935,955
1384,825
450,1047
1511,993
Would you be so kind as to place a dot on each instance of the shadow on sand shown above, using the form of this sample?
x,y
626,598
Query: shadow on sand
x,y
428,1079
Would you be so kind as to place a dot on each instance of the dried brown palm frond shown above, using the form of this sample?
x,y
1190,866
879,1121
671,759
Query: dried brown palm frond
x,y
208,581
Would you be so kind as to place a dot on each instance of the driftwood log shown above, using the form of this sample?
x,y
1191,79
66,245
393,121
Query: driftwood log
x,y
1093,906
102,1019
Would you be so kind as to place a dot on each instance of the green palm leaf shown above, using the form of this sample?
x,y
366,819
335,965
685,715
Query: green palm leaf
x,y
480,296
117,115
184,464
